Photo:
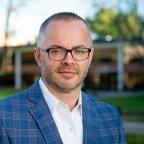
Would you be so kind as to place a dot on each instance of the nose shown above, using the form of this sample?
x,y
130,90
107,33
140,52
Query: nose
x,y
68,58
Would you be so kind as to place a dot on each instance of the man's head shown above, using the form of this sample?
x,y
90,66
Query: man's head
x,y
65,16
64,51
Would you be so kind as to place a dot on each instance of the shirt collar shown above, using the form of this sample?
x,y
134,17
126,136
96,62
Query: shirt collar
x,y
52,101
49,98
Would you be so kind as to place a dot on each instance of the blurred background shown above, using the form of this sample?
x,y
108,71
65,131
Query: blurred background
x,y
116,74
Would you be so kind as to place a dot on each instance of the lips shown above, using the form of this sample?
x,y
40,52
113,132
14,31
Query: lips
x,y
68,74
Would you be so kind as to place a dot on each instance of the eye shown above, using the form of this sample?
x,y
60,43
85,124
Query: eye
x,y
80,51
56,50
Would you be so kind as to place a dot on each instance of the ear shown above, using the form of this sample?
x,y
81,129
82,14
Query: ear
x,y
37,55
91,55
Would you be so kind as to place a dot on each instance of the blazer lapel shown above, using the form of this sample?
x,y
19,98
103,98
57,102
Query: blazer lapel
x,y
42,115
89,123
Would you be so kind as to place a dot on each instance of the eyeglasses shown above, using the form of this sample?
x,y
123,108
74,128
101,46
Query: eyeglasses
x,y
60,53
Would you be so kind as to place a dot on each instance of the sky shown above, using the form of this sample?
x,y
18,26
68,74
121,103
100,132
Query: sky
x,y
28,15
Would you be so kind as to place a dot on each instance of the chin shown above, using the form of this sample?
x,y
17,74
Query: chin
x,y
67,87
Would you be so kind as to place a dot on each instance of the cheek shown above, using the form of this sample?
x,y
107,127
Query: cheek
x,y
84,65
49,66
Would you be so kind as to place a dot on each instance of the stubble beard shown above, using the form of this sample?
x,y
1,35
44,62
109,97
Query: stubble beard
x,y
53,80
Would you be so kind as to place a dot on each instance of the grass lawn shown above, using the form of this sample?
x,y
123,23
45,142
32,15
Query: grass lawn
x,y
135,139
6,91
131,108
138,100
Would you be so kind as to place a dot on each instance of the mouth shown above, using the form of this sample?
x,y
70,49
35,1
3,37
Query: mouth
x,y
67,74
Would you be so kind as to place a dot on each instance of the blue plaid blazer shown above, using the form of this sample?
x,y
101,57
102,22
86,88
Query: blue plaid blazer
x,y
26,119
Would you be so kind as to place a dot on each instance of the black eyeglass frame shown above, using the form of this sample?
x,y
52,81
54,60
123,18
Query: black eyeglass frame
x,y
67,51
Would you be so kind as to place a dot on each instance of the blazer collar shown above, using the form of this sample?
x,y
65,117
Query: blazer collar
x,y
88,125
45,121
42,115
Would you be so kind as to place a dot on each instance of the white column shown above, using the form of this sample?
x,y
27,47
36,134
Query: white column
x,y
120,67
18,73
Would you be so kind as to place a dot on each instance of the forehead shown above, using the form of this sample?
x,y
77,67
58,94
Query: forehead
x,y
66,26
66,33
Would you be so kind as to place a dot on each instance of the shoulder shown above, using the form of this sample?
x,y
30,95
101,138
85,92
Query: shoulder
x,y
95,102
13,102
14,98
100,107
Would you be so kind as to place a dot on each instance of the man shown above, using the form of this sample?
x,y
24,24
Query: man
x,y
54,110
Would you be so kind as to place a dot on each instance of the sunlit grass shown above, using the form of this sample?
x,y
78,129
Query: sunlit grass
x,y
7,91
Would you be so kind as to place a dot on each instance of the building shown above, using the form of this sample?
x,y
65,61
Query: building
x,y
116,65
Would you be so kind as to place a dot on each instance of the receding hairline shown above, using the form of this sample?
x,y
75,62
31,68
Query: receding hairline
x,y
64,16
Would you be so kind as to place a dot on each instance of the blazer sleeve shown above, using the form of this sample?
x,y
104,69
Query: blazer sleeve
x,y
3,134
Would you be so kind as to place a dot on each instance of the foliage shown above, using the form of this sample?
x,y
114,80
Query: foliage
x,y
108,21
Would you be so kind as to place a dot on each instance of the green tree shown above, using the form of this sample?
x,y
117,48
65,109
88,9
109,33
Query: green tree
x,y
108,21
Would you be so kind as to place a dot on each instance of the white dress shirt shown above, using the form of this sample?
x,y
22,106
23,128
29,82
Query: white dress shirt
x,y
69,123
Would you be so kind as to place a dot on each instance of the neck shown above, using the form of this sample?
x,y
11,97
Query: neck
x,y
69,97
